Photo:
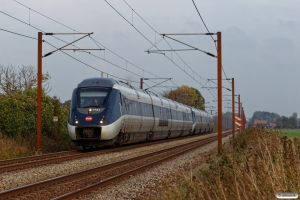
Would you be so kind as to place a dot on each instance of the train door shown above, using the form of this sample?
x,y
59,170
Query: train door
x,y
122,111
139,115
126,117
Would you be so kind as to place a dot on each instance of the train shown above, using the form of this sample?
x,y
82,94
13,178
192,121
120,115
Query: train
x,y
107,112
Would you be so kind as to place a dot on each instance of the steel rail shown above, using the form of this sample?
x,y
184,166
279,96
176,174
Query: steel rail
x,y
31,161
31,187
115,178
37,157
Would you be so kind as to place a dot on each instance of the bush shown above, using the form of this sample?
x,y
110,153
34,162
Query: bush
x,y
18,120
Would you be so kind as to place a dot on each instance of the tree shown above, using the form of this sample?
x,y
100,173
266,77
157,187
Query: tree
x,y
186,95
293,122
18,113
285,122
279,122
200,101
13,79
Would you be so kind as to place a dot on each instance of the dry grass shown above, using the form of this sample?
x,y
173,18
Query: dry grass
x,y
14,147
26,146
257,165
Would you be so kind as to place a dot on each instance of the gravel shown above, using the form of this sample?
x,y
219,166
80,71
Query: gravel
x,y
127,189
145,184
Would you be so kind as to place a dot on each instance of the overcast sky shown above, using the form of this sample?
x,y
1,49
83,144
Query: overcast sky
x,y
260,45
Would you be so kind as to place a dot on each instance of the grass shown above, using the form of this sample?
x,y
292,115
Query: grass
x,y
15,147
290,133
257,164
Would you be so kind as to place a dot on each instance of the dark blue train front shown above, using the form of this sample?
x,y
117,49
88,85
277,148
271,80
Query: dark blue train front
x,y
94,113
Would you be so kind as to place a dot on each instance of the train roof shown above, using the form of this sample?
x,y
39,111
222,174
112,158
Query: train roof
x,y
95,82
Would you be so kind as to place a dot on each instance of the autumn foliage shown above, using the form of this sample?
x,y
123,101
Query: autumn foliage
x,y
188,96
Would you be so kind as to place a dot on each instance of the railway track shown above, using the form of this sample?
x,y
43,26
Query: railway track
x,y
33,161
73,185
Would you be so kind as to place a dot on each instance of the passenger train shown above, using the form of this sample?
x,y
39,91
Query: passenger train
x,y
106,112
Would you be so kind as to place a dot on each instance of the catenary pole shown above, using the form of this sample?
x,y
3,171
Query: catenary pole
x,y
239,111
233,109
219,72
39,95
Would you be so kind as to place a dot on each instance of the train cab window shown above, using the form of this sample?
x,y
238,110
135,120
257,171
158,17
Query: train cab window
x,y
92,97
120,100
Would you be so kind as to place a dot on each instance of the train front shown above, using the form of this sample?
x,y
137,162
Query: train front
x,y
95,113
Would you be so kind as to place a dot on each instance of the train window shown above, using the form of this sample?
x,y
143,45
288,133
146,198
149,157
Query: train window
x,y
168,113
126,102
157,112
180,116
131,107
150,110
121,102
139,108
146,109
92,97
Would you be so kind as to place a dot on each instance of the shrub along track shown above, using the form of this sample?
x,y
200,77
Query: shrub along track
x,y
73,185
32,161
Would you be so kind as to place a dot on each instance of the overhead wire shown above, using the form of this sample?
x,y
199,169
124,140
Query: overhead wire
x,y
62,52
66,53
166,42
112,51
75,46
91,37
161,39
106,47
149,40
86,63
18,34
94,40
210,35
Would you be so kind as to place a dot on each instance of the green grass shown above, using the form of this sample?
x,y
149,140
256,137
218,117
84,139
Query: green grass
x,y
290,133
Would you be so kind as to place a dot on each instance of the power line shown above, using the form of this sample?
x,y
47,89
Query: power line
x,y
62,51
149,40
204,22
210,35
94,40
112,51
87,64
168,43
161,39
72,45
18,34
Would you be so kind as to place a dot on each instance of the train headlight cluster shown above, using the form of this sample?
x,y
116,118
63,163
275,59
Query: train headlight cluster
x,y
101,121
76,121
90,111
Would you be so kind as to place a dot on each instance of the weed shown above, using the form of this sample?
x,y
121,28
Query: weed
x,y
258,164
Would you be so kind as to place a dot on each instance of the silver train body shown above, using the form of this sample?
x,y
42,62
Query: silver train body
x,y
105,112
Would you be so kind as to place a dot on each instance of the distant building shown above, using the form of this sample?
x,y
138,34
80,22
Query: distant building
x,y
259,122
273,125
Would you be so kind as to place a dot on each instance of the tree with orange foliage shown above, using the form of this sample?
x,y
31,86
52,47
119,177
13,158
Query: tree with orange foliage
x,y
187,95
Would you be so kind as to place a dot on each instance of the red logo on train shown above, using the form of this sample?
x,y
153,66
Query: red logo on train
x,y
88,118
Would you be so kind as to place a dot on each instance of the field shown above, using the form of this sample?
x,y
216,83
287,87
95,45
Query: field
x,y
290,133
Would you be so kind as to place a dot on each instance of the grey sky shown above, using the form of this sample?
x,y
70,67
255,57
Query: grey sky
x,y
260,44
